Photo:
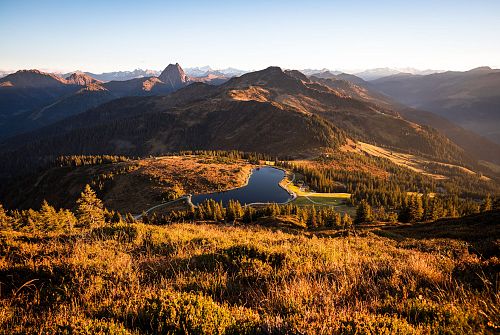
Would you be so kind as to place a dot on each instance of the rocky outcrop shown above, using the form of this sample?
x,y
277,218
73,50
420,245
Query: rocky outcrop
x,y
174,76
81,79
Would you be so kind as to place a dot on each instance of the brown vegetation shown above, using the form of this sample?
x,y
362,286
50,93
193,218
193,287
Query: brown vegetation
x,y
221,279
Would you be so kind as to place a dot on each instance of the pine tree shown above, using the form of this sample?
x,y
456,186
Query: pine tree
x,y
337,220
382,214
208,209
313,221
320,218
217,213
175,192
200,212
5,220
452,211
432,210
238,210
129,218
416,210
404,212
67,219
230,211
248,214
90,211
222,211
363,212
47,219
346,221
487,204
303,216
234,211
117,218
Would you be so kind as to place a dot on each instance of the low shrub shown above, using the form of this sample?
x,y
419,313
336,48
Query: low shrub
x,y
89,327
369,324
169,312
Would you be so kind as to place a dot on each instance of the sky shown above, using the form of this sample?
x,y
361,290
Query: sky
x,y
109,35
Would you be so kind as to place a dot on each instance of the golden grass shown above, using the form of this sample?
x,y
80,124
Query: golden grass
x,y
412,162
254,93
221,279
196,173
306,198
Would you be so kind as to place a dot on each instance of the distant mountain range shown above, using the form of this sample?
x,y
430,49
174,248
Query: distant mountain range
x,y
471,98
30,99
271,111
122,75
194,72
373,74
204,71
284,113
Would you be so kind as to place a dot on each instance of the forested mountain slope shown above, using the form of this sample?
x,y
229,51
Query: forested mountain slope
x,y
267,111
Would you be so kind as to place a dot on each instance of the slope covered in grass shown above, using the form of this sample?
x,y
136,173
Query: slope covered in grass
x,y
224,279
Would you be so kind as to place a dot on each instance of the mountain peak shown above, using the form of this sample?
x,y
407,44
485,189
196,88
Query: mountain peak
x,y
31,78
481,69
272,76
174,75
268,73
81,79
272,69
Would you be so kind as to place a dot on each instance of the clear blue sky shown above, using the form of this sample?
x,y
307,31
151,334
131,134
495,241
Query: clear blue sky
x,y
111,35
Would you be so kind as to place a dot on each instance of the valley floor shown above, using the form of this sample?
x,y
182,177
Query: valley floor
x,y
202,278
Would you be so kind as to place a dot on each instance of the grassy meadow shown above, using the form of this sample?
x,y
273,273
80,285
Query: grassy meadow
x,y
308,198
202,278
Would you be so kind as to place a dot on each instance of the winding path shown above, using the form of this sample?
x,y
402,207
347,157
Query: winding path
x,y
314,202
187,197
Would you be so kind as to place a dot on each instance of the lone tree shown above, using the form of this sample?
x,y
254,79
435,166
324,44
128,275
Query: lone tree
x,y
363,212
90,210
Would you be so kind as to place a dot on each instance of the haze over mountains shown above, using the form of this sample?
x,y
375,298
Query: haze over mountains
x,y
470,99
373,74
272,111
472,142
